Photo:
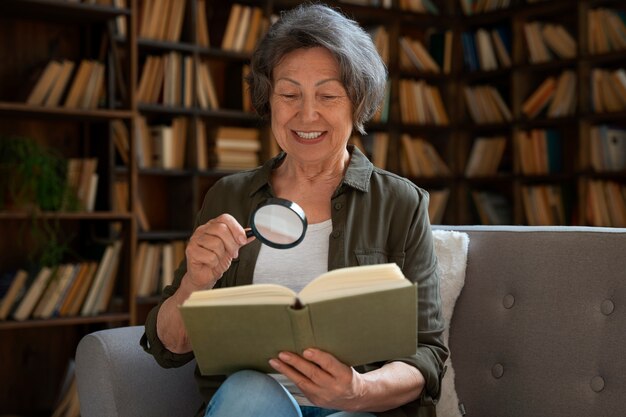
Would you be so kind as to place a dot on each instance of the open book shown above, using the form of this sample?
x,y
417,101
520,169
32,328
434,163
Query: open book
x,y
359,314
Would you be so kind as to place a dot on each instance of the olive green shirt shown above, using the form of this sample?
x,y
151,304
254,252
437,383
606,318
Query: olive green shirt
x,y
377,217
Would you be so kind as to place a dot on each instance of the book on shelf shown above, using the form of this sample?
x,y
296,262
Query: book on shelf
x,y
539,99
202,25
563,102
543,205
380,37
82,180
608,148
14,293
606,30
169,144
161,19
493,208
485,104
155,264
485,156
55,293
485,50
539,151
121,140
34,291
44,83
101,289
243,327
67,403
202,152
501,38
559,40
87,85
608,90
418,55
233,22
537,49
237,147
60,84
417,6
421,103
77,292
422,159
605,203
205,87
470,53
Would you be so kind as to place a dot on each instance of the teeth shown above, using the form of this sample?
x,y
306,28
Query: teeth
x,y
309,135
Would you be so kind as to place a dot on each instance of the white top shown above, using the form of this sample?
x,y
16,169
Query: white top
x,y
294,268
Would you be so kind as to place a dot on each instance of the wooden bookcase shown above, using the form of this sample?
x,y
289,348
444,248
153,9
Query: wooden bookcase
x,y
36,352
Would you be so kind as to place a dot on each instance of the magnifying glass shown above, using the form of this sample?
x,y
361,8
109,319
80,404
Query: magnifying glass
x,y
278,223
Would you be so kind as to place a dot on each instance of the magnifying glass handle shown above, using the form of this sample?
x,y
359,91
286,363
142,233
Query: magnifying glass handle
x,y
249,233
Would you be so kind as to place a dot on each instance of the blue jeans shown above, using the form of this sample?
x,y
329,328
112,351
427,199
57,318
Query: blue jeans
x,y
255,394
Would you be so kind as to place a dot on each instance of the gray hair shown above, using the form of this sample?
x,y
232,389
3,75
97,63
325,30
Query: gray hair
x,y
362,70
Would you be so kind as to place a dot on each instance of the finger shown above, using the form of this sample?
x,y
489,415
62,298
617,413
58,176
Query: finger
x,y
309,370
324,360
222,234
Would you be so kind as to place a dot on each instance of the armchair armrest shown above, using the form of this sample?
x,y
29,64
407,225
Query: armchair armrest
x,y
115,377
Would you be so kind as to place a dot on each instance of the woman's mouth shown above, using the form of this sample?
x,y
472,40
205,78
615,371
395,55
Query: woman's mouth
x,y
309,135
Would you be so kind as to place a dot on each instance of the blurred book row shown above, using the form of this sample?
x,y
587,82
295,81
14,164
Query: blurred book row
x,y
66,290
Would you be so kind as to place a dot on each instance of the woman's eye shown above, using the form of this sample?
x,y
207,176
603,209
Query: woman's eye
x,y
288,96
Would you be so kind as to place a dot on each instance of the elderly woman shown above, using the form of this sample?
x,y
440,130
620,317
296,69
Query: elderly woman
x,y
316,76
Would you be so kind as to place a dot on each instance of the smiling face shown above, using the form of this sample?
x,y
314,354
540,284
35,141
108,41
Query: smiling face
x,y
310,110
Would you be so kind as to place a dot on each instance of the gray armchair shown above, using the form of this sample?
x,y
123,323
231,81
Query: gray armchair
x,y
117,378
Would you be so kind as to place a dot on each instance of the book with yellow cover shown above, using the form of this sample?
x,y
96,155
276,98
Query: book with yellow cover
x,y
360,314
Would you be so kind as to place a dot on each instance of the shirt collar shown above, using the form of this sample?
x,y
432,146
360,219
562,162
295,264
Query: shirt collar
x,y
357,175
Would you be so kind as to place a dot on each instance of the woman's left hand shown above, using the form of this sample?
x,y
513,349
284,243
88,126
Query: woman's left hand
x,y
322,378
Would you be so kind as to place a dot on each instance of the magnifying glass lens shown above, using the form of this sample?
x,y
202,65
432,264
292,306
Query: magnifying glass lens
x,y
279,223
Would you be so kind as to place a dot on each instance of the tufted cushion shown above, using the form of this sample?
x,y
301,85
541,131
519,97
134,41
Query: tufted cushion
x,y
451,249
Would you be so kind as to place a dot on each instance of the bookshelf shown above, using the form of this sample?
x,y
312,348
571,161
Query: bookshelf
x,y
173,81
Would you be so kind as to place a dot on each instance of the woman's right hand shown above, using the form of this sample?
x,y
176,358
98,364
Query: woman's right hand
x,y
211,249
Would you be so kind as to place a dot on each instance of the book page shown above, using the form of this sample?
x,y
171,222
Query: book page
x,y
242,295
352,281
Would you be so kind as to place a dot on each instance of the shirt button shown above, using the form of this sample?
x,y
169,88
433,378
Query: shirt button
x,y
607,307
497,371
508,301
336,234
338,206
597,383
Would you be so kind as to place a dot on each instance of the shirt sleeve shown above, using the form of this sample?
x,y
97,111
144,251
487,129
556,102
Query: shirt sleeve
x,y
420,266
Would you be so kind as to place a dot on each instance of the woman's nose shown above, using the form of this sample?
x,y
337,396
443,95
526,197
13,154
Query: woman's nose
x,y
308,109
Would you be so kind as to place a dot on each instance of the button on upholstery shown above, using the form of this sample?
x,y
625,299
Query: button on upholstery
x,y
497,371
597,383
607,307
508,301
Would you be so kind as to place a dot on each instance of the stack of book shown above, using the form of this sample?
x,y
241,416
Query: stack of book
x,y
237,148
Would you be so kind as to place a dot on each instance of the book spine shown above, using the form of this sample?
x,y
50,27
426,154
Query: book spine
x,y
302,329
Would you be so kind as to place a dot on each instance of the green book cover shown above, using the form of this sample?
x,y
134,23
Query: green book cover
x,y
358,321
